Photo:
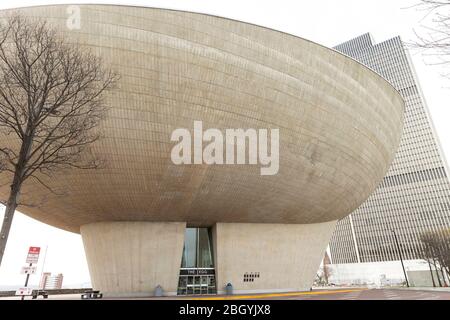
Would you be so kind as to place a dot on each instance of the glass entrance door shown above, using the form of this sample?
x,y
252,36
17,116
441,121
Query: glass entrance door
x,y
197,274
203,284
198,284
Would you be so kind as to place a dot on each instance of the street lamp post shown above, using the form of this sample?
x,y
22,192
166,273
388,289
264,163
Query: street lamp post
x,y
400,255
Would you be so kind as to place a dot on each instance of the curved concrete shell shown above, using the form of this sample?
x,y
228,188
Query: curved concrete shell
x,y
339,127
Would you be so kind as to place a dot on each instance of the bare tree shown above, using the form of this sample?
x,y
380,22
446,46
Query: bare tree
x,y
437,251
426,253
434,38
51,101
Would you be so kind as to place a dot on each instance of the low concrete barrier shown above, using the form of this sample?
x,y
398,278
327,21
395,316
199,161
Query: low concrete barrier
x,y
50,292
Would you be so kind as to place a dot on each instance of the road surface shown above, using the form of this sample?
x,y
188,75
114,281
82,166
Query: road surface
x,y
335,294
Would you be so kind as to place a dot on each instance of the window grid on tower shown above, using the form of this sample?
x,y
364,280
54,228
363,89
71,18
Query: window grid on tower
x,y
414,196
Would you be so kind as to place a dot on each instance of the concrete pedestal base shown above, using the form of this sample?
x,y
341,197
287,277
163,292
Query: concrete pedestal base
x,y
269,257
132,258
129,259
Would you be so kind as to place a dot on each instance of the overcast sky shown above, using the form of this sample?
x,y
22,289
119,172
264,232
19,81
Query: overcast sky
x,y
328,22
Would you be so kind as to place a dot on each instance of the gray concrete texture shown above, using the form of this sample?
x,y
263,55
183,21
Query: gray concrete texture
x,y
423,278
284,256
340,123
132,258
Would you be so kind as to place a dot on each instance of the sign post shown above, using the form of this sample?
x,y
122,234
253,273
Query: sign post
x,y
32,257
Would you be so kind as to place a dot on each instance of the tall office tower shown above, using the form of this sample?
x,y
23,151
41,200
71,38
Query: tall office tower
x,y
414,196
49,281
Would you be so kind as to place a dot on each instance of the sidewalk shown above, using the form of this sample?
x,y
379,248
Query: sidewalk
x,y
442,289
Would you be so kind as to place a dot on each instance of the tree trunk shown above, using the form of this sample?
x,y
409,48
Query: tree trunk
x,y
447,272
437,273
431,272
11,206
16,185
443,277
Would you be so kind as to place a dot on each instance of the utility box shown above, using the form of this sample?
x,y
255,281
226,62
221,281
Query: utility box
x,y
229,289
159,292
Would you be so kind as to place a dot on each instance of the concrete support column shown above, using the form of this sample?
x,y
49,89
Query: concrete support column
x,y
132,258
257,257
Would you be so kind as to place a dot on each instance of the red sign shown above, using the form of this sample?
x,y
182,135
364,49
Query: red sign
x,y
33,255
34,250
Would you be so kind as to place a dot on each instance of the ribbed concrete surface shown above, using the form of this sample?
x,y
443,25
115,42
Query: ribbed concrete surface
x,y
339,123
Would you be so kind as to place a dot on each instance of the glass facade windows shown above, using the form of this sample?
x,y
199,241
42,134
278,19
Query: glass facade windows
x,y
415,194
197,274
205,258
189,259
197,251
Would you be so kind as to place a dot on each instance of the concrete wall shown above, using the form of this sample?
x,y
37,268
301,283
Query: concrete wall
x,y
286,256
132,258
422,278
373,273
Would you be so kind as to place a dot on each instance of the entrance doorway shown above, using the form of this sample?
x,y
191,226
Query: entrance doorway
x,y
197,273
197,284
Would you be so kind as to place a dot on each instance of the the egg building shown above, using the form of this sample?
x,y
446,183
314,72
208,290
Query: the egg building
x,y
194,228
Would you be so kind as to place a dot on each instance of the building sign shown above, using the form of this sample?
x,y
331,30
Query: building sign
x,y
28,270
24,292
33,255
195,272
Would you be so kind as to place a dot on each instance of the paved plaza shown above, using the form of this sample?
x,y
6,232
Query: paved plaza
x,y
335,294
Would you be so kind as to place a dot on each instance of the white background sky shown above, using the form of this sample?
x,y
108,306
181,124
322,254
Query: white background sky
x,y
328,22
